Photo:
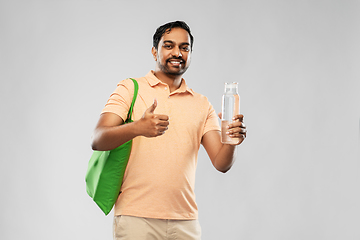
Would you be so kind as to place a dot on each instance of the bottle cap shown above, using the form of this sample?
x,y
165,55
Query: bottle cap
x,y
231,87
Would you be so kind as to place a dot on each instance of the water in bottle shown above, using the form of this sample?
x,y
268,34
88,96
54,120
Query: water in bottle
x,y
230,108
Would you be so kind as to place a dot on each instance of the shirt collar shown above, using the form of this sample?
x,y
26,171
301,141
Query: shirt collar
x,y
153,80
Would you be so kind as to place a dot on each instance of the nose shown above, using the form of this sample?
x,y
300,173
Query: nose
x,y
176,52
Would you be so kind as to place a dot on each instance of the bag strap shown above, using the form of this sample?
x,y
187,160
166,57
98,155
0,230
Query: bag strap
x,y
136,89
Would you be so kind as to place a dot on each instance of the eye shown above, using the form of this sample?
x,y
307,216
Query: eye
x,y
186,48
167,46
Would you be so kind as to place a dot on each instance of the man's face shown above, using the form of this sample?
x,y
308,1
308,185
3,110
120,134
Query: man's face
x,y
174,52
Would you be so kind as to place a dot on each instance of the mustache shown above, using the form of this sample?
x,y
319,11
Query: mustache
x,y
175,58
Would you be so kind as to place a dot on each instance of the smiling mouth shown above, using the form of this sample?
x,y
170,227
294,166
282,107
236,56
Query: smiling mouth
x,y
175,62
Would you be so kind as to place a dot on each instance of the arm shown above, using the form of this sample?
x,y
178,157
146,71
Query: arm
x,y
221,155
110,133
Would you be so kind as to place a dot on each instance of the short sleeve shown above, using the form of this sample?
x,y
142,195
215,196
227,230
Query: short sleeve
x,y
212,121
120,100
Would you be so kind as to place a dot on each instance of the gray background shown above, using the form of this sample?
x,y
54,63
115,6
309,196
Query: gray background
x,y
297,64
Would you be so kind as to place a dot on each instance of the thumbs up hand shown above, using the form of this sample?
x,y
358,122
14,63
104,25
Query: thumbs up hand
x,y
151,124
151,109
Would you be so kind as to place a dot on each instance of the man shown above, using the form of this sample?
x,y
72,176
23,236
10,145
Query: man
x,y
170,122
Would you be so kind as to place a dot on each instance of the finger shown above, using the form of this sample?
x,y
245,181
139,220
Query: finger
x,y
236,124
237,135
220,115
238,117
162,129
162,117
162,124
236,131
151,109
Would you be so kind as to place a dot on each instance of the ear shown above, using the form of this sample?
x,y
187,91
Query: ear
x,y
154,53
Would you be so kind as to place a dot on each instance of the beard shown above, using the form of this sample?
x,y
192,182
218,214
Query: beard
x,y
171,71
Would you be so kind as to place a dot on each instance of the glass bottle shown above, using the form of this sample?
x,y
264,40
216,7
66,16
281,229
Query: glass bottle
x,y
230,108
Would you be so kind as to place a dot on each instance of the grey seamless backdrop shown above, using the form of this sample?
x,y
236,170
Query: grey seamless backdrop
x,y
297,64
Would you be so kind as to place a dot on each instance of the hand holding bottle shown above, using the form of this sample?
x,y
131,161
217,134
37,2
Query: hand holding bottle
x,y
237,129
233,131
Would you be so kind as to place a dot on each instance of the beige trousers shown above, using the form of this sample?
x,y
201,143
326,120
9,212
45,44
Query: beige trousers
x,y
135,228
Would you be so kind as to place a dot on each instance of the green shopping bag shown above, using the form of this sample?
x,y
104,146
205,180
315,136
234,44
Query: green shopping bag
x,y
106,169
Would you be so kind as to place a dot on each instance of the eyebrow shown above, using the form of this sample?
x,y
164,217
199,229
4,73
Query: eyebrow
x,y
171,42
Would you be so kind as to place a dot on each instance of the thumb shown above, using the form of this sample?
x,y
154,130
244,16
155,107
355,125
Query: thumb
x,y
220,115
151,109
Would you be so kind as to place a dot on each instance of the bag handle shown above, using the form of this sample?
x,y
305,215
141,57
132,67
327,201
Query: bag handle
x,y
136,89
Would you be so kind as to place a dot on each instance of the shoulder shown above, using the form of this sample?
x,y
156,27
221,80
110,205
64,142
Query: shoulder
x,y
127,83
200,97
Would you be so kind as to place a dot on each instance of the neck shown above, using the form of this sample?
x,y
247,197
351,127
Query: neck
x,y
173,81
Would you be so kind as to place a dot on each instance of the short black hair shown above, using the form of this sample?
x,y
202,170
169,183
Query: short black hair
x,y
160,31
